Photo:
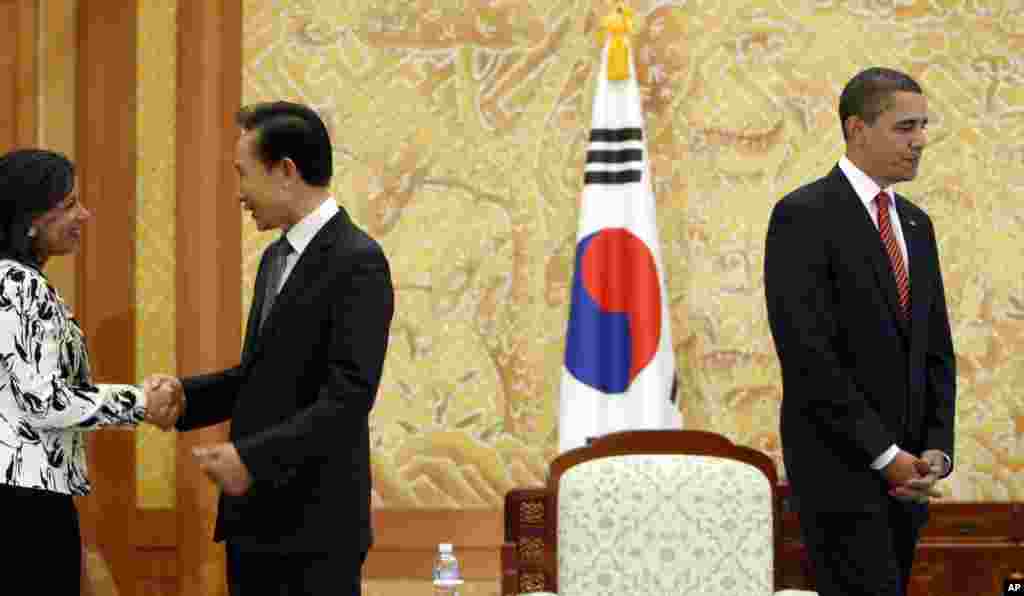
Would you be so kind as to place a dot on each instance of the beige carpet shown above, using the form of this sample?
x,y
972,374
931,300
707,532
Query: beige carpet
x,y
99,582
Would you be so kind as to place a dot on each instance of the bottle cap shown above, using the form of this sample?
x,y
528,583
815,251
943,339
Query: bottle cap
x,y
444,547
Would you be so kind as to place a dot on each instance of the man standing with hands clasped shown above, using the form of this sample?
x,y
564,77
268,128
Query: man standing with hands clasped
x,y
858,313
295,475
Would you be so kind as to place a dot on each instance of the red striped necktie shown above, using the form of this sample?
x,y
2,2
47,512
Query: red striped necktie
x,y
895,256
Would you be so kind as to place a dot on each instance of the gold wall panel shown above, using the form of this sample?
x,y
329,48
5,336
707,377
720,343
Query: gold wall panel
x,y
155,286
460,128
56,61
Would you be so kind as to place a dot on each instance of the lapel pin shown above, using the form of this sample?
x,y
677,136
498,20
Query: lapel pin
x,y
911,222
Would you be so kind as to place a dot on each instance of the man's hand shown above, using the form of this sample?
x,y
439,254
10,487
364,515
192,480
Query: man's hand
x,y
904,467
937,461
165,400
920,487
222,464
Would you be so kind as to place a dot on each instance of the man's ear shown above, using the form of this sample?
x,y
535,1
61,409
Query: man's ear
x,y
854,128
288,168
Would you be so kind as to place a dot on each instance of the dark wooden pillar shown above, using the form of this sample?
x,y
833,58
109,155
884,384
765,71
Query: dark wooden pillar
x,y
106,156
209,232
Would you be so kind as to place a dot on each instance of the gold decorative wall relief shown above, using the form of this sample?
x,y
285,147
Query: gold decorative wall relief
x,y
459,129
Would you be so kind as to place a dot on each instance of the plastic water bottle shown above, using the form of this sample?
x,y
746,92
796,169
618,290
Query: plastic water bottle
x,y
447,578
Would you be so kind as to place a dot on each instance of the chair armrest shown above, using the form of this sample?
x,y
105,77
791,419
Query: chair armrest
x,y
509,569
527,557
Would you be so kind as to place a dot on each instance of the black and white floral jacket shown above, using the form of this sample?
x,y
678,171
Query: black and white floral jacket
x,y
47,399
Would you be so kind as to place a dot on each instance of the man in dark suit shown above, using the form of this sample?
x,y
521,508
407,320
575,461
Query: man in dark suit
x,y
295,476
858,314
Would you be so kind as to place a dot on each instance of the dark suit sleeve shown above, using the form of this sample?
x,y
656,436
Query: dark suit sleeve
x,y
360,319
800,301
940,373
210,399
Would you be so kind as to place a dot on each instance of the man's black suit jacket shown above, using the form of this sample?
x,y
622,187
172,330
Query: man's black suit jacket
x,y
299,400
857,377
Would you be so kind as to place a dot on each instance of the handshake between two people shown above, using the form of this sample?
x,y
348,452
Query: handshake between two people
x,y
165,400
221,462
913,479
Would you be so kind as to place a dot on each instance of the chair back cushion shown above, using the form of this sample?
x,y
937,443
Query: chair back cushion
x,y
664,524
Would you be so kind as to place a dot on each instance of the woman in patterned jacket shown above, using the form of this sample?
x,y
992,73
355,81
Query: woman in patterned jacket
x,y
47,398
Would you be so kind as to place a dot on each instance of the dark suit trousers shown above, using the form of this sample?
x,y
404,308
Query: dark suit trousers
x,y
257,573
863,553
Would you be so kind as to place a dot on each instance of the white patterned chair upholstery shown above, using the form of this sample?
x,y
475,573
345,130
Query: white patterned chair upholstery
x,y
664,513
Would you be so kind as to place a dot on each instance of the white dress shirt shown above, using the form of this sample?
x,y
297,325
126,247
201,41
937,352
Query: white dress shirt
x,y
867,189
301,234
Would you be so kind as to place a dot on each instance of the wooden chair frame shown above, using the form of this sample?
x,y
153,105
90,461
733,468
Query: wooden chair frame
x,y
529,556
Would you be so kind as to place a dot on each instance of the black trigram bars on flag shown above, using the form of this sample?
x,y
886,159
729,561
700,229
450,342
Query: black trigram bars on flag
x,y
615,156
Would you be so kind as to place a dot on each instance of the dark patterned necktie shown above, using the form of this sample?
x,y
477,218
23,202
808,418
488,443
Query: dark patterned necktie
x,y
895,256
277,258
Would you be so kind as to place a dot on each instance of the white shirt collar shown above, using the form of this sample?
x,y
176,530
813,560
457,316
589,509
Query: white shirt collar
x,y
866,188
302,233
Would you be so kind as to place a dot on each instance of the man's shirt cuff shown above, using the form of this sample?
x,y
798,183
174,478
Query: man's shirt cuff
x,y
887,456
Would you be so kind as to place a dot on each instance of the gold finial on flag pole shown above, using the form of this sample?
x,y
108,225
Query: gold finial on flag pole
x,y
617,25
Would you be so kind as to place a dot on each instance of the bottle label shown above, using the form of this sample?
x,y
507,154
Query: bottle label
x,y
447,582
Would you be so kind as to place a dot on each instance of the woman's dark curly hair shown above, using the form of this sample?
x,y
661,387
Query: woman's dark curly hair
x,y
32,181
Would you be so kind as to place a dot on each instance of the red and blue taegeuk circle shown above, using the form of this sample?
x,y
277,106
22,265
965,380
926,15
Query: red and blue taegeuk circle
x,y
615,317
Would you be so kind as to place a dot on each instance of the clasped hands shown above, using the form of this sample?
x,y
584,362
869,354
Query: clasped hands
x,y
913,479
165,402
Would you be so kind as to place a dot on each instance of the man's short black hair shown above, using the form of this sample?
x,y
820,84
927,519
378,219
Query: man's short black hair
x,y
867,94
291,130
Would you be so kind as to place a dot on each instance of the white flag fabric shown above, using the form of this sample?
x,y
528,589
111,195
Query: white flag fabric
x,y
619,370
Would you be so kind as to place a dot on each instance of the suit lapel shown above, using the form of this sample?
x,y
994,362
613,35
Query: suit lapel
x,y
252,326
309,266
915,241
868,242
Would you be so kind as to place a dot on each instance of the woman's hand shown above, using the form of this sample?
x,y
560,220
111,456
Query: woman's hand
x,y
165,400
